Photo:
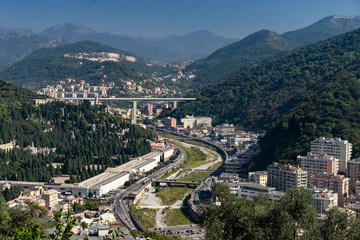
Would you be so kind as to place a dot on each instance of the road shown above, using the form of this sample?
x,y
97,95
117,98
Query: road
x,y
203,192
121,203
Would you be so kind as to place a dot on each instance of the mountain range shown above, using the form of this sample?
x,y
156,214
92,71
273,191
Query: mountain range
x,y
226,55
264,45
169,49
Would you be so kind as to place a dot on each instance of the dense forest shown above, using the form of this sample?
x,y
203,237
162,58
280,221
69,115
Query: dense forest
x,y
331,112
48,66
85,140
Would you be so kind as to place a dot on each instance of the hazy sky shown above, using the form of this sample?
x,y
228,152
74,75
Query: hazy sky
x,y
156,18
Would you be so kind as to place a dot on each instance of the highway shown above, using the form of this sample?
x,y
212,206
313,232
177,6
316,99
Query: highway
x,y
121,204
202,192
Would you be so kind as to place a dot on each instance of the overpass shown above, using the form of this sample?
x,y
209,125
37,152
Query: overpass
x,y
133,100
176,182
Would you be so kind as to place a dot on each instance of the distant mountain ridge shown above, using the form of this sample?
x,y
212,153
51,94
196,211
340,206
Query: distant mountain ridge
x,y
15,46
22,31
168,49
264,45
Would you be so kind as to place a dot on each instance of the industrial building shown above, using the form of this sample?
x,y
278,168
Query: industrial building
x,y
111,179
250,190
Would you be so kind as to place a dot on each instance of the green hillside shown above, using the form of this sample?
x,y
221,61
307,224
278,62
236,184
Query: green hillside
x,y
10,93
256,98
252,50
309,93
332,112
85,139
264,45
48,66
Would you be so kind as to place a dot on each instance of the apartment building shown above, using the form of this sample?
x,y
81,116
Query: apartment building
x,y
170,122
51,198
337,147
318,163
259,177
324,199
285,177
336,183
354,207
353,172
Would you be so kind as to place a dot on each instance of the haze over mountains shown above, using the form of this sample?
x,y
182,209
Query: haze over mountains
x,y
226,55
264,45
169,49
164,50
15,46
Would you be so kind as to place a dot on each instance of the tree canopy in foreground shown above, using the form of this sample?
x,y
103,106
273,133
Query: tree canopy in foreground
x,y
294,217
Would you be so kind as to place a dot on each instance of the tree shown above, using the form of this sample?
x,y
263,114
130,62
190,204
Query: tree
x,y
84,225
298,203
340,224
63,230
227,217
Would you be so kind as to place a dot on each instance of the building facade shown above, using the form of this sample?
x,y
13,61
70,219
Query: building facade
x,y
318,163
338,148
259,177
170,122
51,198
285,177
324,199
353,172
337,183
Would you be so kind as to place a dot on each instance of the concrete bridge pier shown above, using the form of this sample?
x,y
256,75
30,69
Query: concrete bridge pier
x,y
134,112
175,104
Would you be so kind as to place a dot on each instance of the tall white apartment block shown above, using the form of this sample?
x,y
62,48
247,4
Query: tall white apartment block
x,y
338,148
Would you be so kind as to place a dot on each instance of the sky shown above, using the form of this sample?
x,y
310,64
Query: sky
x,y
158,18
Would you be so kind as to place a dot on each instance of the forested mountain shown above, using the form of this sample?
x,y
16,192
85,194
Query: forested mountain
x,y
323,29
264,45
162,50
15,45
49,65
82,140
332,112
10,93
86,140
318,84
253,49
